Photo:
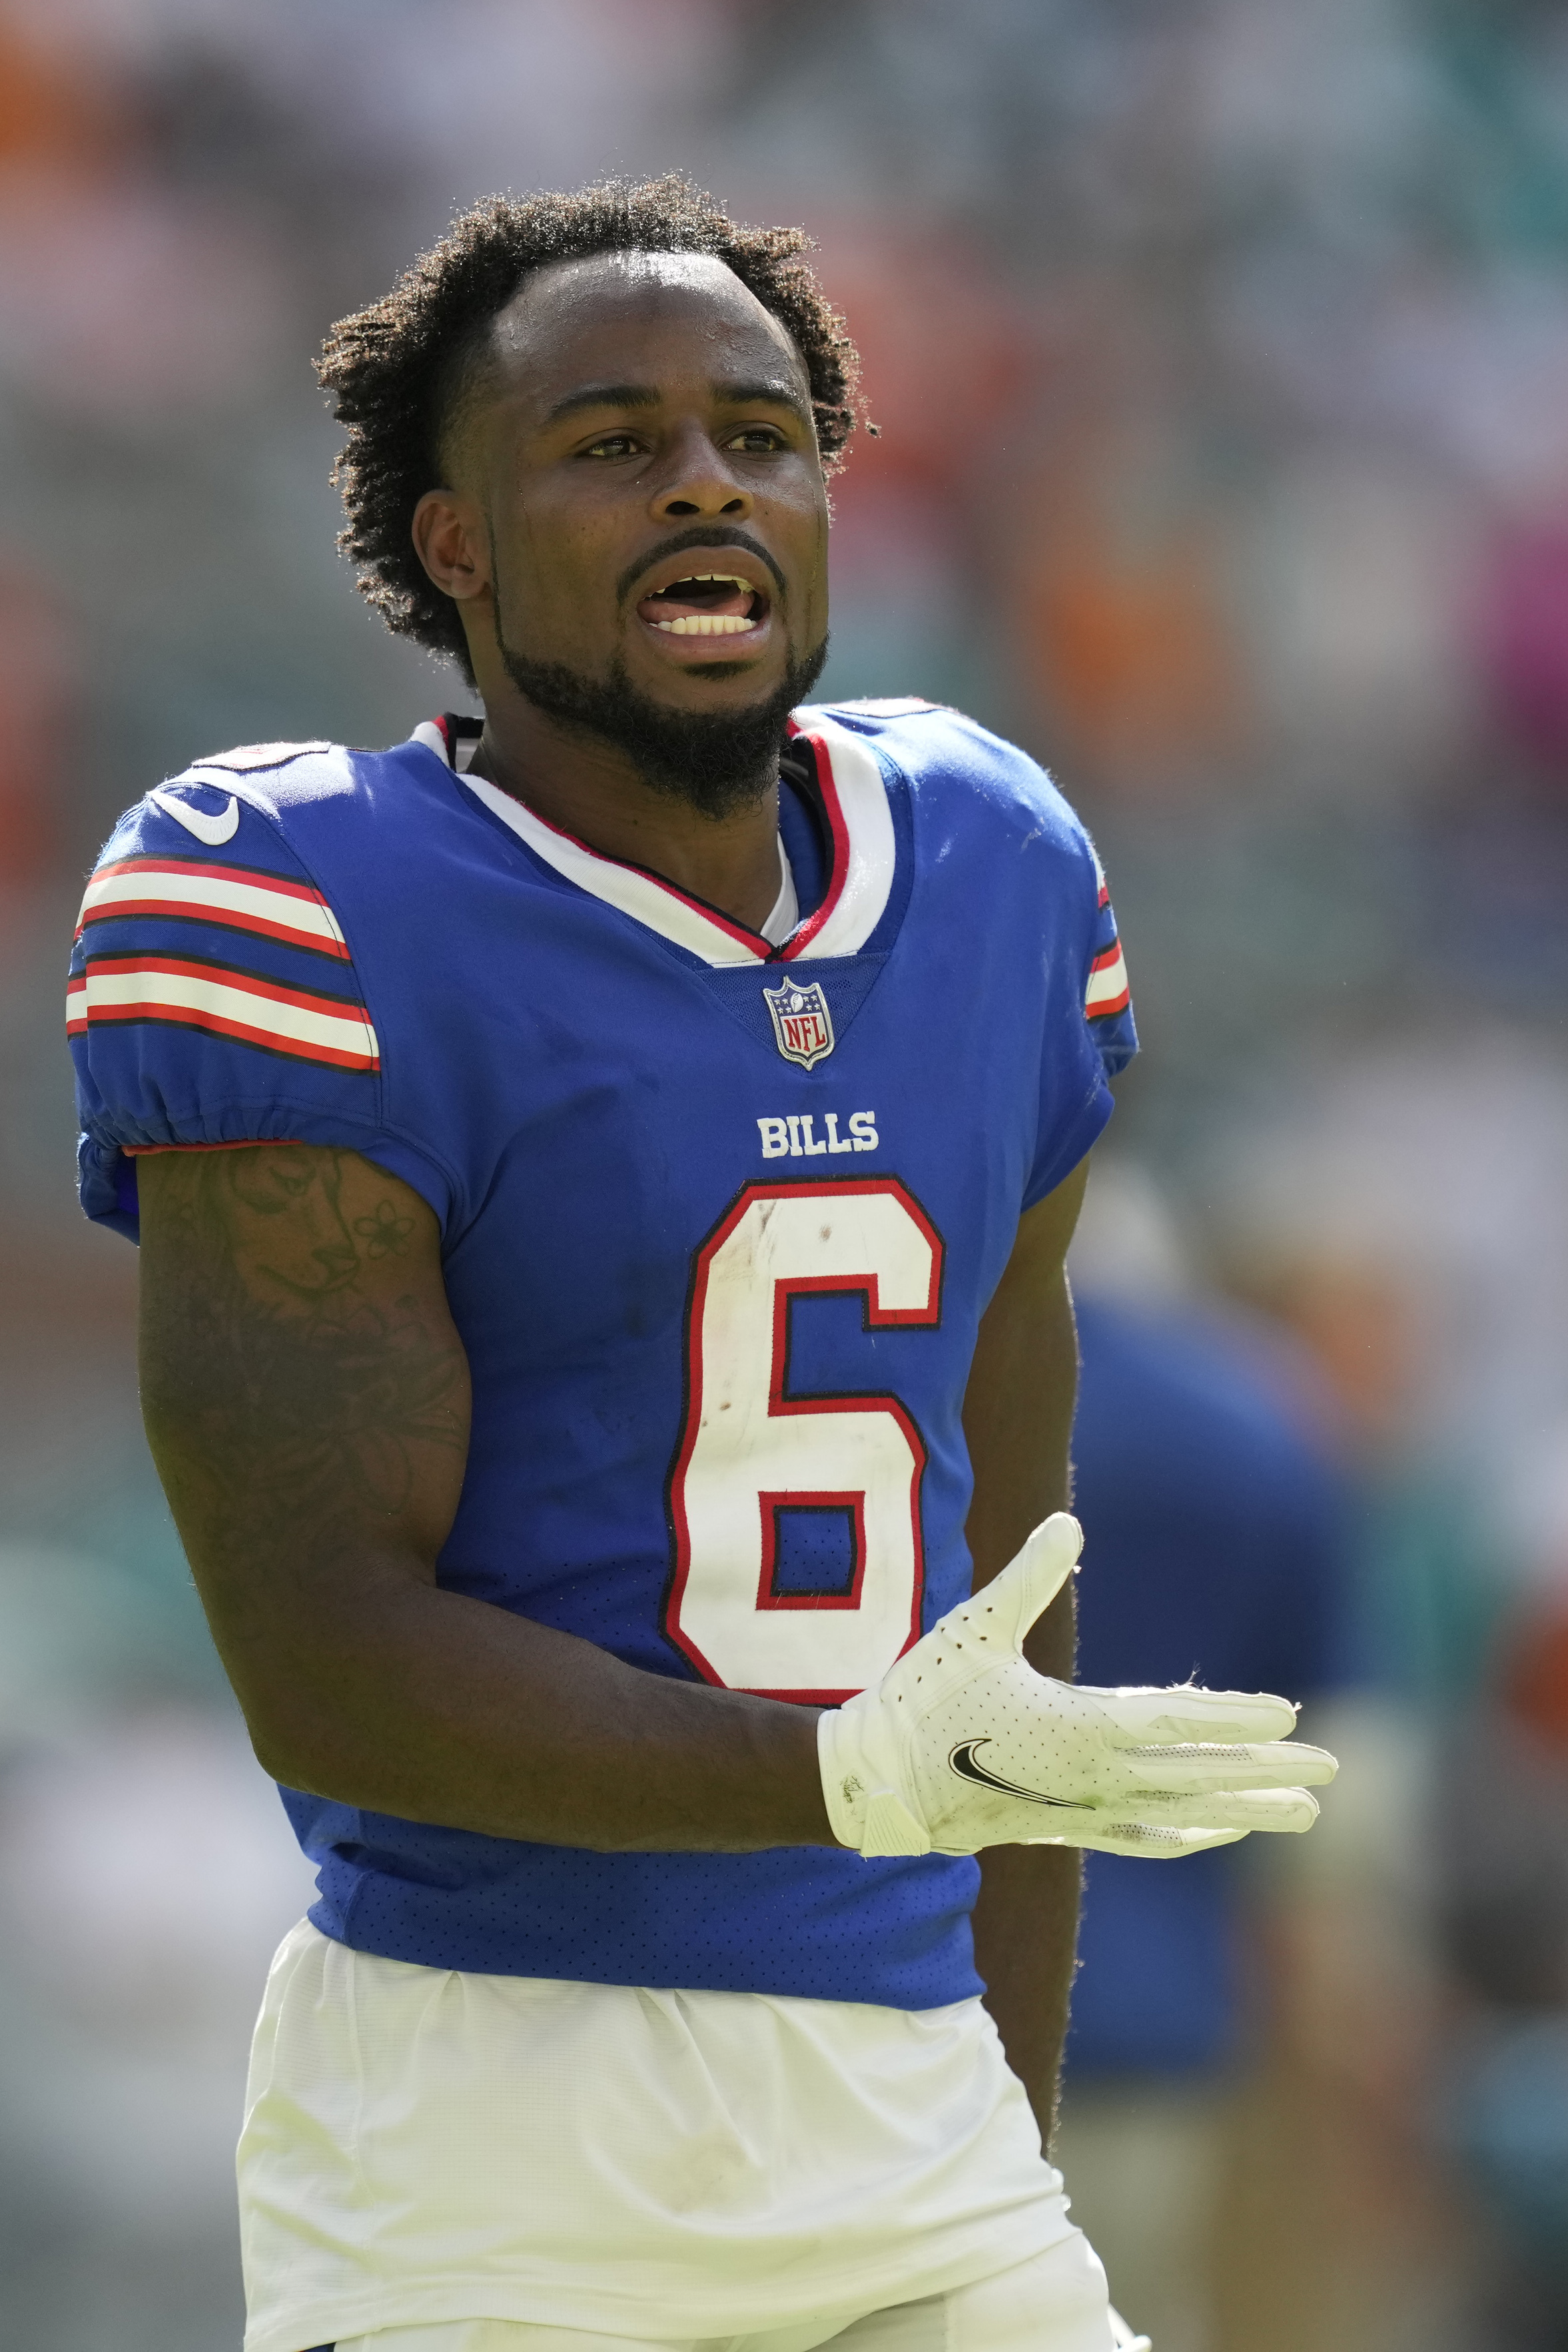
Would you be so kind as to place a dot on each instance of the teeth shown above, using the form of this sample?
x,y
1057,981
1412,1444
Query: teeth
x,y
705,625
732,578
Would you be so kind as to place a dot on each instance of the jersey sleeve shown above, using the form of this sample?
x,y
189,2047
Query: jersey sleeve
x,y
213,998
1057,907
1090,1035
1107,996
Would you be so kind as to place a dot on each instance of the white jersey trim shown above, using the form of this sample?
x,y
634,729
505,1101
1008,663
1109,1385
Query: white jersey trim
x,y
786,913
864,853
864,846
190,992
647,901
229,894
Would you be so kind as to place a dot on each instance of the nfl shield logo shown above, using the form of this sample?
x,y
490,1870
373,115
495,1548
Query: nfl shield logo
x,y
802,1025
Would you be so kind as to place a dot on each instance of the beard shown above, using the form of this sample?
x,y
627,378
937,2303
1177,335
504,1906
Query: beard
x,y
717,761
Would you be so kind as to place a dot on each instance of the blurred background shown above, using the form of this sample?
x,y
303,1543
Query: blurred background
x,y
1221,356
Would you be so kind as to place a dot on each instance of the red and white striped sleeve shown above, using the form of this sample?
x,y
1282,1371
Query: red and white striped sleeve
x,y
1107,996
213,997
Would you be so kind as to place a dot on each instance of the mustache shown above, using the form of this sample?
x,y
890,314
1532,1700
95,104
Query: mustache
x,y
704,534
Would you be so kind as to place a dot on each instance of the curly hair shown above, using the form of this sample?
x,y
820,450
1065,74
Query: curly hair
x,y
397,369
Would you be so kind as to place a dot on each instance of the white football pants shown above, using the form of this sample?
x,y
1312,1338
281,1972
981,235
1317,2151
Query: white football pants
x,y
1055,2302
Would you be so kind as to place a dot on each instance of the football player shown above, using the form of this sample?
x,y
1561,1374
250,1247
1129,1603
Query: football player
x,y
602,1175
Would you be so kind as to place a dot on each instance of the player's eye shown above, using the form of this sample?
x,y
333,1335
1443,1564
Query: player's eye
x,y
757,440
614,445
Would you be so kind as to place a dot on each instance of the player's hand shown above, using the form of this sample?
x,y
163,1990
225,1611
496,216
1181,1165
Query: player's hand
x,y
963,1745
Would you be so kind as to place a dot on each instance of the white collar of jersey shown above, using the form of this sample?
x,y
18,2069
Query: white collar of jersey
x,y
854,798
785,911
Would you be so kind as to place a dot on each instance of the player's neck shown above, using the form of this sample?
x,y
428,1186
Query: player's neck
x,y
590,789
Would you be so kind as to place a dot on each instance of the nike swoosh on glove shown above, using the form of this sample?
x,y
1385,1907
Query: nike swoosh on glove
x,y
963,1745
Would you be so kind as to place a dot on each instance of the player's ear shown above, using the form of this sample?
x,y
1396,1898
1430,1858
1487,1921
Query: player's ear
x,y
452,543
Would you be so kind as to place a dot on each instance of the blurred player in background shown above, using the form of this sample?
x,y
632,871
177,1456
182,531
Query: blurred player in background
x,y
1221,1527
604,1173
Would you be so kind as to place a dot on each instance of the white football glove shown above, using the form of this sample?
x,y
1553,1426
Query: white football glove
x,y
963,1745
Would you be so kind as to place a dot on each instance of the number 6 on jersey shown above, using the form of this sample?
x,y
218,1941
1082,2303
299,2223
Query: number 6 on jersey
x,y
752,1460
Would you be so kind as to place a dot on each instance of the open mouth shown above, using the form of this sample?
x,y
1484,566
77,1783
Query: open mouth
x,y
706,604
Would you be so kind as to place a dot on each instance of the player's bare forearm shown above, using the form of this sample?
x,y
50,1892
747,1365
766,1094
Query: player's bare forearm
x,y
1017,1417
306,1396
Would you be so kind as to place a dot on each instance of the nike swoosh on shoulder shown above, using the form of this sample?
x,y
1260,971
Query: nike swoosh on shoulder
x,y
962,1762
212,830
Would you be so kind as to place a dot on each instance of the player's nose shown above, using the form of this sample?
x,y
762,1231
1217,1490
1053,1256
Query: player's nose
x,y
697,482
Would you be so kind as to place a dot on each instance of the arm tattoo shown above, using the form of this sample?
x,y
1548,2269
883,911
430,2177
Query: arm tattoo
x,y
280,1356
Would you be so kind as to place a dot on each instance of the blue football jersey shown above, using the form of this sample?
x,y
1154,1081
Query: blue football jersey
x,y
720,1220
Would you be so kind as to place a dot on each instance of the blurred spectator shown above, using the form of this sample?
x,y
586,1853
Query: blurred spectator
x,y
1405,1220
37,675
1122,599
1526,641
1505,1907
146,1876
